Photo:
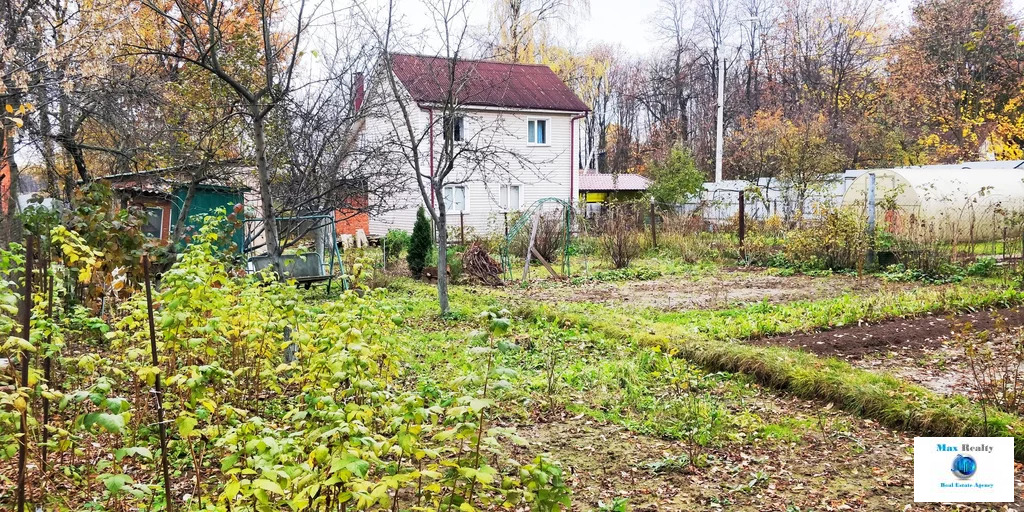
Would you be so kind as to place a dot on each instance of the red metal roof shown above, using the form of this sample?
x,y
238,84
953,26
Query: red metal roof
x,y
486,83
614,182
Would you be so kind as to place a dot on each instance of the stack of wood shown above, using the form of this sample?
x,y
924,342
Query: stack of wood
x,y
478,263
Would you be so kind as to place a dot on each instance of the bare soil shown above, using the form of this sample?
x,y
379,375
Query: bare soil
x,y
921,350
724,289
903,337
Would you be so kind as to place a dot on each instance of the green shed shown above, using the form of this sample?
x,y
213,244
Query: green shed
x,y
163,194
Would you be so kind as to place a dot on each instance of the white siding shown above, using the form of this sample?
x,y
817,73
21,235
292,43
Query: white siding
x,y
541,171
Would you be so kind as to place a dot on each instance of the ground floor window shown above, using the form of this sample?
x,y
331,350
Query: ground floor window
x,y
455,199
510,197
154,226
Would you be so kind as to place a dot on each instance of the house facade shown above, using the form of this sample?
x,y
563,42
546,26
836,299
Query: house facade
x,y
523,114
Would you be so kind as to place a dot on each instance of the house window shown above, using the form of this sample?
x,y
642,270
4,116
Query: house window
x,y
537,131
455,199
154,226
453,128
510,197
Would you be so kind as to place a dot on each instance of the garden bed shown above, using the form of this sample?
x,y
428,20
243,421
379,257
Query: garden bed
x,y
905,337
712,289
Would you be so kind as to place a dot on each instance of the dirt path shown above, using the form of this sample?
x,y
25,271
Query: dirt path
x,y
904,337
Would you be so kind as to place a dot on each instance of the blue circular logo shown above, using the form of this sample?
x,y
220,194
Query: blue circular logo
x,y
964,466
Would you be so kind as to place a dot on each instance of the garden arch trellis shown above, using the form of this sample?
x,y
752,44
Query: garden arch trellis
x,y
537,208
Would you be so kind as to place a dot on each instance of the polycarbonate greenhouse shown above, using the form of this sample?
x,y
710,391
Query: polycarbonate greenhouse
x,y
973,201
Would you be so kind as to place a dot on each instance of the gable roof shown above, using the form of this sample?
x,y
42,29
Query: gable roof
x,y
622,182
486,83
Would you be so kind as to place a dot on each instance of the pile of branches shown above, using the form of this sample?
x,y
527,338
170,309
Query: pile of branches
x,y
477,263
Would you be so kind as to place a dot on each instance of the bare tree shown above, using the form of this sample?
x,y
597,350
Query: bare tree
x,y
521,25
204,34
480,153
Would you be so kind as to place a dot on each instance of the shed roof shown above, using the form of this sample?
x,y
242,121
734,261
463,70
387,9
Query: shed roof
x,y
486,83
164,181
621,182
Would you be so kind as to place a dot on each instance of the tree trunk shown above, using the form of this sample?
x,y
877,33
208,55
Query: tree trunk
x,y
45,131
186,206
263,170
442,260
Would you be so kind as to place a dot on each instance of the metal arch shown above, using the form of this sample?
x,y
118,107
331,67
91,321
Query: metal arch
x,y
506,260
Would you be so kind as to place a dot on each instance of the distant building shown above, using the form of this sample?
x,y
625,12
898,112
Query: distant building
x,y
597,190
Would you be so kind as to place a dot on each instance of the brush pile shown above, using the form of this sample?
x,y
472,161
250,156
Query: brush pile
x,y
479,265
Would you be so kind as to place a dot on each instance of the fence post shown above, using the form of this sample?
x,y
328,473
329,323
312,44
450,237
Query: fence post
x,y
654,226
158,395
870,256
743,225
26,325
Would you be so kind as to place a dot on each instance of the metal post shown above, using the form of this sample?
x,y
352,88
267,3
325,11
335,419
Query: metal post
x,y
26,325
462,228
529,247
158,394
870,260
292,348
743,226
654,224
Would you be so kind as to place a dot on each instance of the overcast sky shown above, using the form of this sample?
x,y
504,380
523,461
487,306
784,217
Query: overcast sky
x,y
627,23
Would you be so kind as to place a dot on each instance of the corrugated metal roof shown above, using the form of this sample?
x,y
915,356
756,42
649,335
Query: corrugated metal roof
x,y
485,83
614,182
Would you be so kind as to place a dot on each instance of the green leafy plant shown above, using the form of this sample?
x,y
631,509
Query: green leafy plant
x,y
396,241
676,179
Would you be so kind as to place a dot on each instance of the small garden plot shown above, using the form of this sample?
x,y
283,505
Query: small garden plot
x,y
784,466
709,289
978,355
635,428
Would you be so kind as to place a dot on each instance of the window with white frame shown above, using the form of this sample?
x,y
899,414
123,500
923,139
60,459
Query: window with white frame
x,y
537,131
455,199
510,197
154,226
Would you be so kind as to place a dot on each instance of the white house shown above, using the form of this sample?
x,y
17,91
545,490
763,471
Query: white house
x,y
523,111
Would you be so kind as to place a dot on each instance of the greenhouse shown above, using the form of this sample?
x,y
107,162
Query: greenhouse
x,y
971,201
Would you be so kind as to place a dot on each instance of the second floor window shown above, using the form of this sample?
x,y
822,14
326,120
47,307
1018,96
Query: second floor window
x,y
537,131
453,128
455,198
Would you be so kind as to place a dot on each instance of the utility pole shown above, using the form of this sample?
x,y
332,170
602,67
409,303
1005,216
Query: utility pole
x,y
720,128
